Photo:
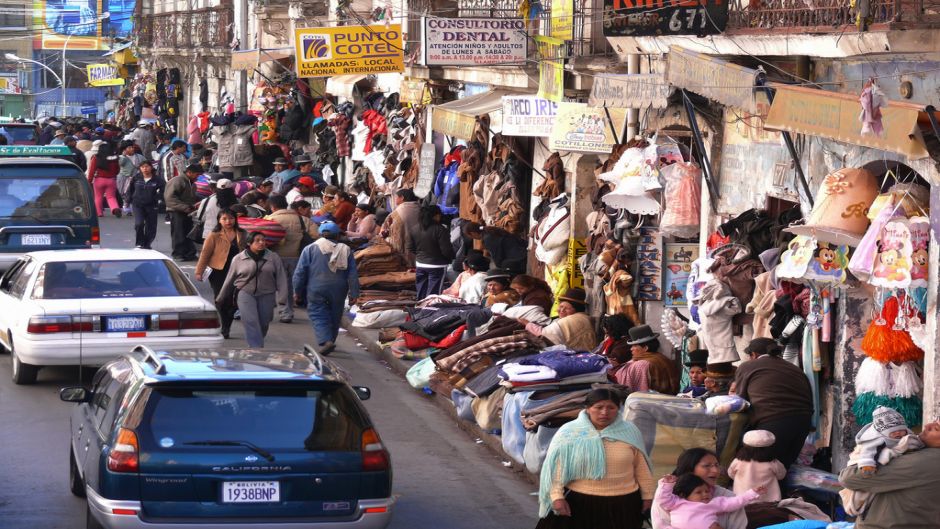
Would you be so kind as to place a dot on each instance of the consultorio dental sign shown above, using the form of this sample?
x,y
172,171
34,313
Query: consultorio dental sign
x,y
473,41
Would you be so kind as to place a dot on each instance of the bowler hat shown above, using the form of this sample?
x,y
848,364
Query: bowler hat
x,y
574,295
280,161
719,370
642,334
477,262
498,273
303,158
697,358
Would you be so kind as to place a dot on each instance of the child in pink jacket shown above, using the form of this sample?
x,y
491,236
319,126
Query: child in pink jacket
x,y
755,466
690,504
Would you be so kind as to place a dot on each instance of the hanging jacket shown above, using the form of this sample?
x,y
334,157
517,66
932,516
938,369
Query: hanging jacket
x,y
340,123
717,307
192,129
446,181
376,124
484,192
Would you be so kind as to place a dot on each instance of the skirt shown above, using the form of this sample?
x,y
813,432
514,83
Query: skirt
x,y
598,512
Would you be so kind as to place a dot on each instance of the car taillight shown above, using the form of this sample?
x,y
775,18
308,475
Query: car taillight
x,y
96,235
49,324
374,455
124,454
164,322
199,320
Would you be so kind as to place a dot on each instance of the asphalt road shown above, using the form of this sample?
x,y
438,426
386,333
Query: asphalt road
x,y
442,478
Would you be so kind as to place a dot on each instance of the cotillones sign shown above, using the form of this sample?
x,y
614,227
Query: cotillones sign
x,y
473,41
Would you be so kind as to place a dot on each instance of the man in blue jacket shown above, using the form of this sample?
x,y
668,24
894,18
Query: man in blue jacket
x,y
145,193
325,275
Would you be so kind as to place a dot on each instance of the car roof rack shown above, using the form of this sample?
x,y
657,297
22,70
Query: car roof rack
x,y
312,353
150,357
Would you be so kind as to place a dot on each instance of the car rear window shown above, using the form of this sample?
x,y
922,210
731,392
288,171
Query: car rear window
x,y
276,418
19,134
111,279
40,198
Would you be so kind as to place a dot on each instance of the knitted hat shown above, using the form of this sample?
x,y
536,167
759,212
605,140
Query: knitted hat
x,y
887,421
759,438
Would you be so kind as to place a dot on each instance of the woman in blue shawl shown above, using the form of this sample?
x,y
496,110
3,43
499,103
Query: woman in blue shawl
x,y
596,473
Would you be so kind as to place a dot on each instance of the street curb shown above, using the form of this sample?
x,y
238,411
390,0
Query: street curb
x,y
492,442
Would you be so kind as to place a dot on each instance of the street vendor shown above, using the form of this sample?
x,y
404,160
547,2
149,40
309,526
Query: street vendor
x,y
573,328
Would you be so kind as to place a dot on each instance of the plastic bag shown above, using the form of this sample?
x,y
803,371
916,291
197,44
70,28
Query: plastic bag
x,y
419,376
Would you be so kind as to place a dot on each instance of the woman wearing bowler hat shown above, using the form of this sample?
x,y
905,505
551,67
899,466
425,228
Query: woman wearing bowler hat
x,y
649,369
573,328
698,361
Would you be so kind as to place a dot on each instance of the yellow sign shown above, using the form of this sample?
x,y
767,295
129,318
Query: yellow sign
x,y
836,116
103,75
563,20
345,50
576,248
452,123
551,68
415,91
580,128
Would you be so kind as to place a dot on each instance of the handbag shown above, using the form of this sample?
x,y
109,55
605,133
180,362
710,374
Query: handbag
x,y
199,225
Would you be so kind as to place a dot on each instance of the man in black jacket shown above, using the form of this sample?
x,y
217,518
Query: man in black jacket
x,y
145,193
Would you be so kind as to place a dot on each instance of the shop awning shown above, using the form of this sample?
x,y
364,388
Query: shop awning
x,y
249,59
717,79
836,116
457,118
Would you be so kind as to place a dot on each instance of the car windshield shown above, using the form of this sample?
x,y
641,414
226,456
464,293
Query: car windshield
x,y
18,134
325,419
111,279
44,199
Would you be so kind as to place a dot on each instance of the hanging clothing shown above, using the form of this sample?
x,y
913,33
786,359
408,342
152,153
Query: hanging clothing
x,y
683,197
553,231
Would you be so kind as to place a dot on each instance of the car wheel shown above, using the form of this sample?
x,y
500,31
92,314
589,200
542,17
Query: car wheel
x,y
90,522
23,374
76,484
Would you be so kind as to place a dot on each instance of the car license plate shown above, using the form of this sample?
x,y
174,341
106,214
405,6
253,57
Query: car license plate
x,y
36,239
126,324
251,492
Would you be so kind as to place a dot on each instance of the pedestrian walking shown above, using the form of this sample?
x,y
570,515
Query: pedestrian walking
x,y
326,274
181,198
222,244
102,173
144,194
289,248
258,277
129,161
433,252
223,197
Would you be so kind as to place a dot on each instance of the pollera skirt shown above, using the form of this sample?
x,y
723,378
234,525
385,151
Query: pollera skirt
x,y
597,512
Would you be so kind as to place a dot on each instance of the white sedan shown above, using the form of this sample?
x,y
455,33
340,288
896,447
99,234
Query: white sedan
x,y
85,307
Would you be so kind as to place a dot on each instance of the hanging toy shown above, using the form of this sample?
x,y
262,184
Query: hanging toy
x,y
871,99
893,261
884,343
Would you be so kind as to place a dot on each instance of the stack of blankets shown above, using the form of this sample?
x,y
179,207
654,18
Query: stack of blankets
x,y
381,277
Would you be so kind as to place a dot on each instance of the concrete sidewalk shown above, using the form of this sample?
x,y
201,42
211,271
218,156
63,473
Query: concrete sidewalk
x,y
369,340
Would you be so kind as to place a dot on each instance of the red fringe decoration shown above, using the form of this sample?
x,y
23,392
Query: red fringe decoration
x,y
884,344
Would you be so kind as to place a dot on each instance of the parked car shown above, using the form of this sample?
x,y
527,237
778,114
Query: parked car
x,y
45,203
226,438
86,307
20,133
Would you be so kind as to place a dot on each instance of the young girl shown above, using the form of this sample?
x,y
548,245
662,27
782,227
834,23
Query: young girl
x,y
755,466
690,504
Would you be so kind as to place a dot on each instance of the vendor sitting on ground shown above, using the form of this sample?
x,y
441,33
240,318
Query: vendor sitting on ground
x,y
573,328
454,289
698,361
497,289
533,291
473,288
718,379
649,369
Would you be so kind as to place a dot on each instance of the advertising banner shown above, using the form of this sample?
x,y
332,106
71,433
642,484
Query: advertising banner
x,y
649,256
79,23
580,128
551,68
473,41
103,75
639,18
630,91
677,269
415,91
9,84
562,20
528,116
346,50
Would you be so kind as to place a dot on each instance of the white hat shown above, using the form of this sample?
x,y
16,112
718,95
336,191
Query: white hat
x,y
759,438
223,183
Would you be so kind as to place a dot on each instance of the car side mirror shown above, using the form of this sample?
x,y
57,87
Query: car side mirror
x,y
74,394
363,392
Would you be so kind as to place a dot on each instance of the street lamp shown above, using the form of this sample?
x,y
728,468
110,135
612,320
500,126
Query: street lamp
x,y
13,57
100,17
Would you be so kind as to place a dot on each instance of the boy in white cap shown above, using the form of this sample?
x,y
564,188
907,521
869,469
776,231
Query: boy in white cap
x,y
877,443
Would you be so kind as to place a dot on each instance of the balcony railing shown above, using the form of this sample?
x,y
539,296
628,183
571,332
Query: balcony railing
x,y
821,16
199,29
